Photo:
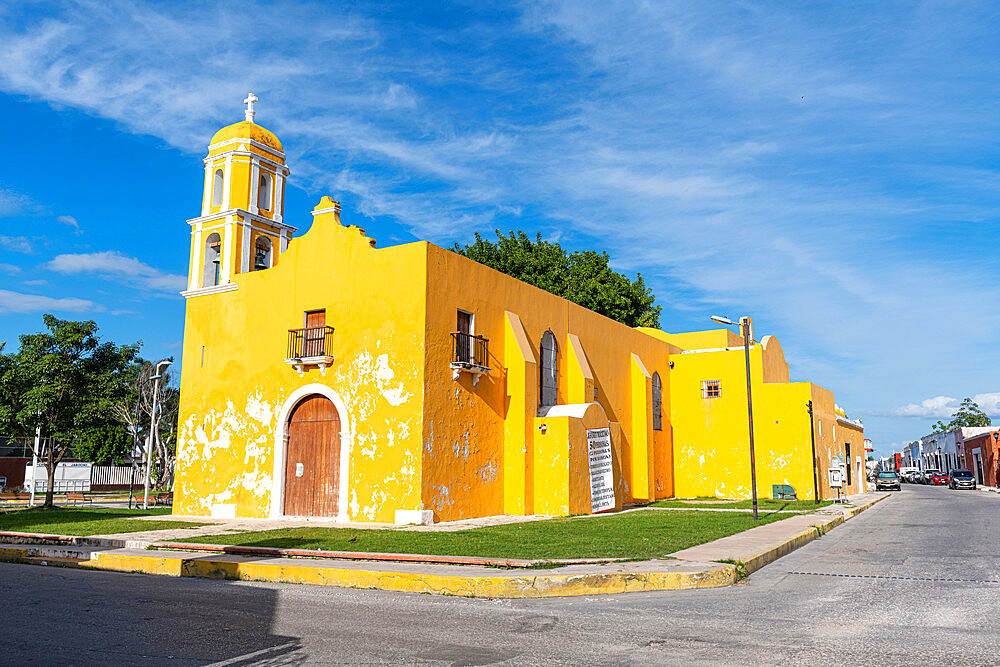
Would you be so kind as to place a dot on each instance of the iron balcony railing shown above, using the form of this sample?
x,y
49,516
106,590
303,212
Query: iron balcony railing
x,y
310,342
469,350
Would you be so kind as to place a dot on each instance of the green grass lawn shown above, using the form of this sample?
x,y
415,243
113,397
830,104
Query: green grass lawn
x,y
640,535
767,504
89,521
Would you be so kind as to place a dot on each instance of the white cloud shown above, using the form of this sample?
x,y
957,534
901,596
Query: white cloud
x,y
72,222
12,203
113,264
16,302
989,403
10,268
939,406
16,243
945,406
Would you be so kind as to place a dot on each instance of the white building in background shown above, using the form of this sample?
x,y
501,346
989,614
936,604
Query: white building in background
x,y
943,450
913,455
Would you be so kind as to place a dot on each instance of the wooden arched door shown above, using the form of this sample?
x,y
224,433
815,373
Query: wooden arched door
x,y
312,460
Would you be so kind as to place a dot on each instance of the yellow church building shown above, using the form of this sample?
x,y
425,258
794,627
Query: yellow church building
x,y
326,377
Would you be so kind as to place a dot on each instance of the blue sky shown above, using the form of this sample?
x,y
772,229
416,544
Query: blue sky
x,y
828,169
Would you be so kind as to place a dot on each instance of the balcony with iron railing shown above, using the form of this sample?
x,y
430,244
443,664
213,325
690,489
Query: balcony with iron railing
x,y
470,354
310,346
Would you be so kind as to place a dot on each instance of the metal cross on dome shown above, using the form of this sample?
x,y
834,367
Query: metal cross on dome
x,y
251,98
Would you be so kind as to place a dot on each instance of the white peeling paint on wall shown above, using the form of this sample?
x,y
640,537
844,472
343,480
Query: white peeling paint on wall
x,y
370,386
442,498
488,472
231,451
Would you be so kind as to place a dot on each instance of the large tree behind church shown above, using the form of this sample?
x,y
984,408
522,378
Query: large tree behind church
x,y
583,277
65,379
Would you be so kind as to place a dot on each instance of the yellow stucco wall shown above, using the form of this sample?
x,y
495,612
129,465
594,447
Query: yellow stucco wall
x,y
477,462
711,435
231,400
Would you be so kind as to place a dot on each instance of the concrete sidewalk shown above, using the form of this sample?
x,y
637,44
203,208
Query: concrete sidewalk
x,y
696,567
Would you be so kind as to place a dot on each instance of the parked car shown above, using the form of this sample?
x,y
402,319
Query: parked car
x,y
925,478
887,479
938,477
906,474
961,478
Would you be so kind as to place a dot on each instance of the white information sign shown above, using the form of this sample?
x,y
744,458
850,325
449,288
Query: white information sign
x,y
602,479
836,477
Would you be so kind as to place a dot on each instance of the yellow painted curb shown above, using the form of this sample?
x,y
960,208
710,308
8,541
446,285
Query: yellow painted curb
x,y
513,586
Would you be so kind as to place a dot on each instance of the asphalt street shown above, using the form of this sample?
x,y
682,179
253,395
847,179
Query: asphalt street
x,y
914,580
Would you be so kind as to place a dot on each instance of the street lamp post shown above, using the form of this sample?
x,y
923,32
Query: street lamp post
x,y
152,421
744,325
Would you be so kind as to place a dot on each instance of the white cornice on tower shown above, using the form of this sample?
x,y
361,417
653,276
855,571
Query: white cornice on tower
x,y
260,219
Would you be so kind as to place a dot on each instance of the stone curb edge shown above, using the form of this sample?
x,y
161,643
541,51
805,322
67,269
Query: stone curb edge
x,y
549,584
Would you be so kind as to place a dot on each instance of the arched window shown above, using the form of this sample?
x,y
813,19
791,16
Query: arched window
x,y
547,384
657,403
264,192
218,183
213,261
262,254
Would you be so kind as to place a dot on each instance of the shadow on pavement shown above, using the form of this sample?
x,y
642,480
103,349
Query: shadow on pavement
x,y
70,616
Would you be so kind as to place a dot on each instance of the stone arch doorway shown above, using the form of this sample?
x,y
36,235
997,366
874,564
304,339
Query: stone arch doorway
x,y
312,459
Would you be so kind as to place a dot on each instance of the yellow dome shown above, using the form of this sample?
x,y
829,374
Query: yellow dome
x,y
247,130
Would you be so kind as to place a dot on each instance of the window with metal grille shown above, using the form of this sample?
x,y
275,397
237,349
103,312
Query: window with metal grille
x,y
548,371
657,403
711,389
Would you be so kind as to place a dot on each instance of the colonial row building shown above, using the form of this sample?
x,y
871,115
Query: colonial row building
x,y
324,376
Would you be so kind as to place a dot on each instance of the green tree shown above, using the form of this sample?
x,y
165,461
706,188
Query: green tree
x,y
581,277
968,414
103,444
65,380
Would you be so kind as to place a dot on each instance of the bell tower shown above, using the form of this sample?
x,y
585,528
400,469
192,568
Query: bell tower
x,y
241,227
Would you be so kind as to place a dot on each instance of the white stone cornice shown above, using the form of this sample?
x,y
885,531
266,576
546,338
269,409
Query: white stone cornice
x,y
247,214
214,289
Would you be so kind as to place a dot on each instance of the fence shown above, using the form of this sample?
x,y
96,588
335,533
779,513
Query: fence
x,y
114,475
83,477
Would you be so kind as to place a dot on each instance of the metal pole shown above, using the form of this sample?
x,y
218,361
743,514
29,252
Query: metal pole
x,y
149,441
131,480
812,439
34,463
745,322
